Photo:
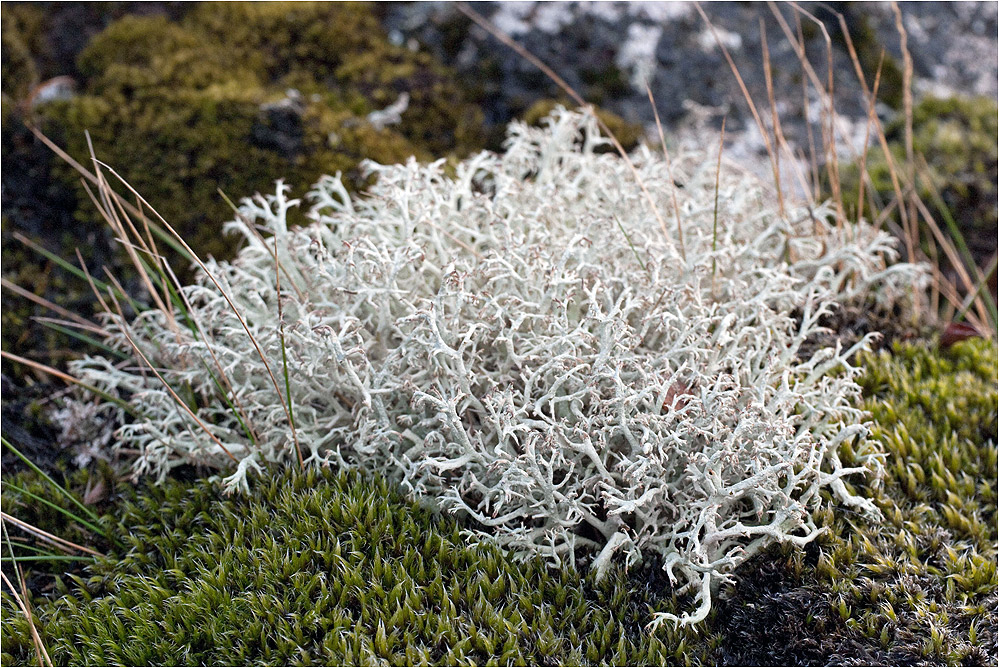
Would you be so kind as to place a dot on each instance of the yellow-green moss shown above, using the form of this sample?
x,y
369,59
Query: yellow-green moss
x,y
922,583
185,107
333,570
19,37
180,109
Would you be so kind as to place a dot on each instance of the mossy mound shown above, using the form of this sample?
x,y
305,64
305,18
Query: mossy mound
x,y
31,499
957,137
329,569
184,108
923,582
229,96
17,36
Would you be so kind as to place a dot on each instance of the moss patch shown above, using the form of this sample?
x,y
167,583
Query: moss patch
x,y
329,569
185,106
920,586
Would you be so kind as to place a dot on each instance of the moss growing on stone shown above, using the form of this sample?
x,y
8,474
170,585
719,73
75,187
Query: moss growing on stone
x,y
188,105
330,569
182,109
19,71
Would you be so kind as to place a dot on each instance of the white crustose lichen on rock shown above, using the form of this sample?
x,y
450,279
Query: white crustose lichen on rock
x,y
524,341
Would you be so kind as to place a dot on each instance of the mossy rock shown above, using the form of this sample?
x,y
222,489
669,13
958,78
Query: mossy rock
x,y
17,37
187,105
957,137
325,568
183,109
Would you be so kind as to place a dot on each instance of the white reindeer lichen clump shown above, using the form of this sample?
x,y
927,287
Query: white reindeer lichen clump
x,y
525,342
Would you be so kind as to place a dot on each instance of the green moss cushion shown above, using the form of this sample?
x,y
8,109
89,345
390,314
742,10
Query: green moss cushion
x,y
923,582
185,107
182,109
956,168
329,569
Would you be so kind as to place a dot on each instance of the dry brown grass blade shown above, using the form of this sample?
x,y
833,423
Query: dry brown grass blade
x,y
239,316
483,23
211,351
22,602
952,256
149,365
111,216
669,161
872,118
44,368
150,249
774,116
883,142
806,106
906,195
912,237
825,91
55,308
771,151
68,159
59,543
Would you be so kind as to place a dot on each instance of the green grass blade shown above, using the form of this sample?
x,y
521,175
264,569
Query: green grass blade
x,y
970,299
73,516
62,490
287,383
959,241
33,548
64,264
627,238
80,336
57,557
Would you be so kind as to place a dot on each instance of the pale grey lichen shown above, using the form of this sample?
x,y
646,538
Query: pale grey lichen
x,y
522,339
